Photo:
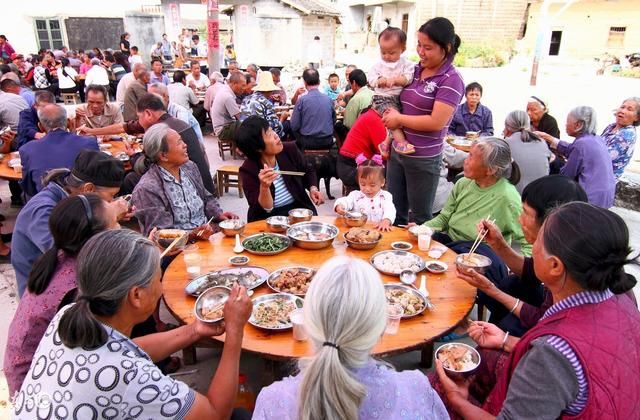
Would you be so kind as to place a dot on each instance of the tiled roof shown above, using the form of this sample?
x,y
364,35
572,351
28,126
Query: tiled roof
x,y
312,7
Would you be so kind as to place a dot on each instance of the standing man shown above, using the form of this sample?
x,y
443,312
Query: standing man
x,y
200,50
313,116
315,53
166,49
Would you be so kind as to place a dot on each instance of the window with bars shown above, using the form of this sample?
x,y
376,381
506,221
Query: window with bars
x,y
616,36
49,33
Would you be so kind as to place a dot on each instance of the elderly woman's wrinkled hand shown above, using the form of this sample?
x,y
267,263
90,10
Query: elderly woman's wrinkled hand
x,y
544,136
486,335
454,390
237,310
266,176
206,329
201,233
476,279
391,119
227,215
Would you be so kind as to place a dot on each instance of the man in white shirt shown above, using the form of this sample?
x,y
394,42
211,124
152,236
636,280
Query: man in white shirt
x,y
179,93
97,75
135,57
199,49
196,80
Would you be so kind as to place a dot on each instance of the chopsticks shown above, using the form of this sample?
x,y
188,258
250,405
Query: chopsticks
x,y
208,223
479,238
293,173
170,247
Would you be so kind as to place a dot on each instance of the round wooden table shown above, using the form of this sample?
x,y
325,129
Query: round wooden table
x,y
452,297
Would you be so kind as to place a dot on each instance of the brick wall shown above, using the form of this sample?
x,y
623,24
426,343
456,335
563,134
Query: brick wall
x,y
477,21
325,28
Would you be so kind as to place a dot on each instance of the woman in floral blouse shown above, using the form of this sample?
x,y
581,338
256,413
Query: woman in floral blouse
x,y
620,136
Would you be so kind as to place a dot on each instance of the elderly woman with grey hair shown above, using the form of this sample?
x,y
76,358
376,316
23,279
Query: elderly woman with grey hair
x,y
620,136
344,315
87,366
588,160
171,194
527,150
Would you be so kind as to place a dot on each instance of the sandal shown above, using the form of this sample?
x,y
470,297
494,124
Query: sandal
x,y
384,149
403,148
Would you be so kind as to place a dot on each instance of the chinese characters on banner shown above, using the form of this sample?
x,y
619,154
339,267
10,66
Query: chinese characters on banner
x,y
213,27
174,14
213,5
243,13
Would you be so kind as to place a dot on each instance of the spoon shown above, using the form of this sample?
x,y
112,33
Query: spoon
x,y
423,290
408,277
238,248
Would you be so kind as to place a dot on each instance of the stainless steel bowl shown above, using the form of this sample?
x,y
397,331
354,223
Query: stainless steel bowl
x,y
311,230
278,224
232,227
477,262
355,218
211,298
300,215
460,374
361,245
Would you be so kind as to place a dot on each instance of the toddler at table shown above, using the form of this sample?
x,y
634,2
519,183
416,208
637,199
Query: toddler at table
x,y
371,199
387,77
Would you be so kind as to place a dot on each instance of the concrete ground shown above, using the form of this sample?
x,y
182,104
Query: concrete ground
x,y
505,89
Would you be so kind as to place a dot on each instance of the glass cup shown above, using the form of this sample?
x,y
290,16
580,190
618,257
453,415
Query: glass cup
x,y
394,314
192,260
424,241
297,319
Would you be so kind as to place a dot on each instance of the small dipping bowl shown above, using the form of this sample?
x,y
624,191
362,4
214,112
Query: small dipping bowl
x,y
300,215
232,227
355,218
277,224
211,298
408,277
460,374
436,267
401,246
477,262
239,260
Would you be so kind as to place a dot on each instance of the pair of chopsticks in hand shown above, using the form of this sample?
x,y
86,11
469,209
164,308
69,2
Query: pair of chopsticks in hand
x,y
480,237
175,241
292,173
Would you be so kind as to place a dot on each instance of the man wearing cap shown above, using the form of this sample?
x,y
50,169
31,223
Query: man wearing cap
x,y
259,104
92,171
57,149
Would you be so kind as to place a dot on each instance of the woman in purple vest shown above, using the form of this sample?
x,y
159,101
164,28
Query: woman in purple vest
x,y
581,359
428,104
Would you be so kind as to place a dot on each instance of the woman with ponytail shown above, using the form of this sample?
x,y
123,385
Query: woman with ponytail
x,y
428,104
345,316
581,359
53,276
87,366
529,151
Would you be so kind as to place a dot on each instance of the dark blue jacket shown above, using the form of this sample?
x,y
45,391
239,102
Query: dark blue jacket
x,y
31,235
27,126
58,149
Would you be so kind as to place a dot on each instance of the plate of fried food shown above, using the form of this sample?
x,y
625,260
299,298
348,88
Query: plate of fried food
x,y
412,301
362,238
294,280
271,312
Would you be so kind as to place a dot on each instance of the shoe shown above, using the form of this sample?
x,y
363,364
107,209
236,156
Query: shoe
x,y
403,148
384,150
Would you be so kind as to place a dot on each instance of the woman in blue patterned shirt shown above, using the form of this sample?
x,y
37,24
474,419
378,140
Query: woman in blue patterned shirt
x,y
620,136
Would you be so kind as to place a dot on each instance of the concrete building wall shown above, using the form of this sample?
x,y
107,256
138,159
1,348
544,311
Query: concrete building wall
x,y
585,27
17,20
325,28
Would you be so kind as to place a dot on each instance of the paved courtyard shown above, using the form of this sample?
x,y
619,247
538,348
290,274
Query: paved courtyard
x,y
564,84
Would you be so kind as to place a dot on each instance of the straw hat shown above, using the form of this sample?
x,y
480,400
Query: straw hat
x,y
265,83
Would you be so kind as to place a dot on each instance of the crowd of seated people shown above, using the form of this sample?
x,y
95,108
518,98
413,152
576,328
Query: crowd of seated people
x,y
560,301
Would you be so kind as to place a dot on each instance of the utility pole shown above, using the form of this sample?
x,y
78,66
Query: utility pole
x,y
543,30
213,36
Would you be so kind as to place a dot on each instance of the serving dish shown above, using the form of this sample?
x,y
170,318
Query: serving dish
x,y
271,312
394,262
296,280
412,301
249,277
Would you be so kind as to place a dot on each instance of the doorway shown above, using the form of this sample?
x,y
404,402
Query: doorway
x,y
554,45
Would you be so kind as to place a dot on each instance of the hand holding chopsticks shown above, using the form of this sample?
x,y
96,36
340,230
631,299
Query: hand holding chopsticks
x,y
208,223
170,247
481,234
292,173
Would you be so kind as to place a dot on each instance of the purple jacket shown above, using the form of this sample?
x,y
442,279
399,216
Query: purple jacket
x,y
153,206
58,149
464,121
589,163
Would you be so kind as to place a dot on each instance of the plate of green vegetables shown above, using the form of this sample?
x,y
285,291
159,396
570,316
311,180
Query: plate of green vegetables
x,y
266,243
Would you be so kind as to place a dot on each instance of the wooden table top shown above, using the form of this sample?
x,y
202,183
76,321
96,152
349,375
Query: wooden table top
x,y
453,297
11,175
